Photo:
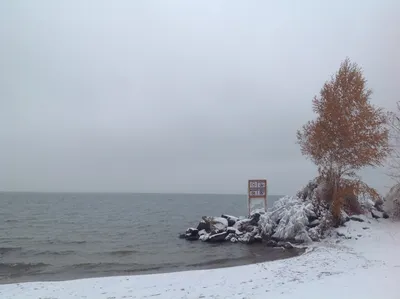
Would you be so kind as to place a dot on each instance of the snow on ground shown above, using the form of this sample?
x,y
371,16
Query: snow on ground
x,y
366,267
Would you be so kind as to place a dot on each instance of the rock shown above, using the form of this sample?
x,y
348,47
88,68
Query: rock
x,y
302,237
217,224
376,214
385,215
192,231
203,232
249,228
365,227
271,243
378,204
258,238
242,225
204,237
314,234
231,219
204,226
356,218
254,218
342,235
314,223
230,236
234,231
192,234
312,218
250,236
344,217
219,237
285,245
392,202
246,238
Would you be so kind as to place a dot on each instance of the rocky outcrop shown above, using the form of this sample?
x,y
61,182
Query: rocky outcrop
x,y
291,220
226,228
391,202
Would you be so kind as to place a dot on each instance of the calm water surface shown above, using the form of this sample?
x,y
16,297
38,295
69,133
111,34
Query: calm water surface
x,y
67,236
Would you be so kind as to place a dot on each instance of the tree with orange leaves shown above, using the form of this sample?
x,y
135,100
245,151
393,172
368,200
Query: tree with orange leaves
x,y
349,134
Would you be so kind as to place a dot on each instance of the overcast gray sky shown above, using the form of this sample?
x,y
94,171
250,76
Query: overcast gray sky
x,y
177,96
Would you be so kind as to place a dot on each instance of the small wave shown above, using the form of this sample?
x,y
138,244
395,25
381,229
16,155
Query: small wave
x,y
122,252
13,239
213,262
117,267
66,242
11,221
6,250
76,242
95,266
143,269
20,268
49,252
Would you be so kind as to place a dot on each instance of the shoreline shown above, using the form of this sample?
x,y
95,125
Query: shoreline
x,y
352,266
259,253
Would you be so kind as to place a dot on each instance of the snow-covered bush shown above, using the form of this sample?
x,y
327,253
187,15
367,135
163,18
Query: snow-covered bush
x,y
308,216
288,219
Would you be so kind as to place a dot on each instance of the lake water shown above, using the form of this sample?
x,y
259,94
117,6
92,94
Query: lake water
x,y
50,236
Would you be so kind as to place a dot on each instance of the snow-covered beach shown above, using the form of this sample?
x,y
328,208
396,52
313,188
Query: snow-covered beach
x,y
363,262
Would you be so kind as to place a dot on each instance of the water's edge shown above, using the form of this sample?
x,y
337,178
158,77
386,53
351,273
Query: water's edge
x,y
60,236
99,270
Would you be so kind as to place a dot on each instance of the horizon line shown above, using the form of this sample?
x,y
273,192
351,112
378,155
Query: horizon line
x,y
127,192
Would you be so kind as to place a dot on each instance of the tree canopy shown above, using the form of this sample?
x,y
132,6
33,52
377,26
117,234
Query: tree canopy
x,y
348,134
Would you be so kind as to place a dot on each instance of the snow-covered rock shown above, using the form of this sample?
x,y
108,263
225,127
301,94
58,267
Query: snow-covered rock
x,y
231,219
242,224
219,237
203,232
376,214
358,218
192,230
204,237
217,224
392,202
203,225
314,223
366,203
234,231
192,234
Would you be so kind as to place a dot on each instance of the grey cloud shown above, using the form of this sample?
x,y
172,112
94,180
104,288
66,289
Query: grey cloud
x,y
175,96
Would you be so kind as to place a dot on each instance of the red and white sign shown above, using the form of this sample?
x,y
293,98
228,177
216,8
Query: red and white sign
x,y
257,194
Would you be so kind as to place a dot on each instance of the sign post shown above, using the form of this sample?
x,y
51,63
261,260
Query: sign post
x,y
257,195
